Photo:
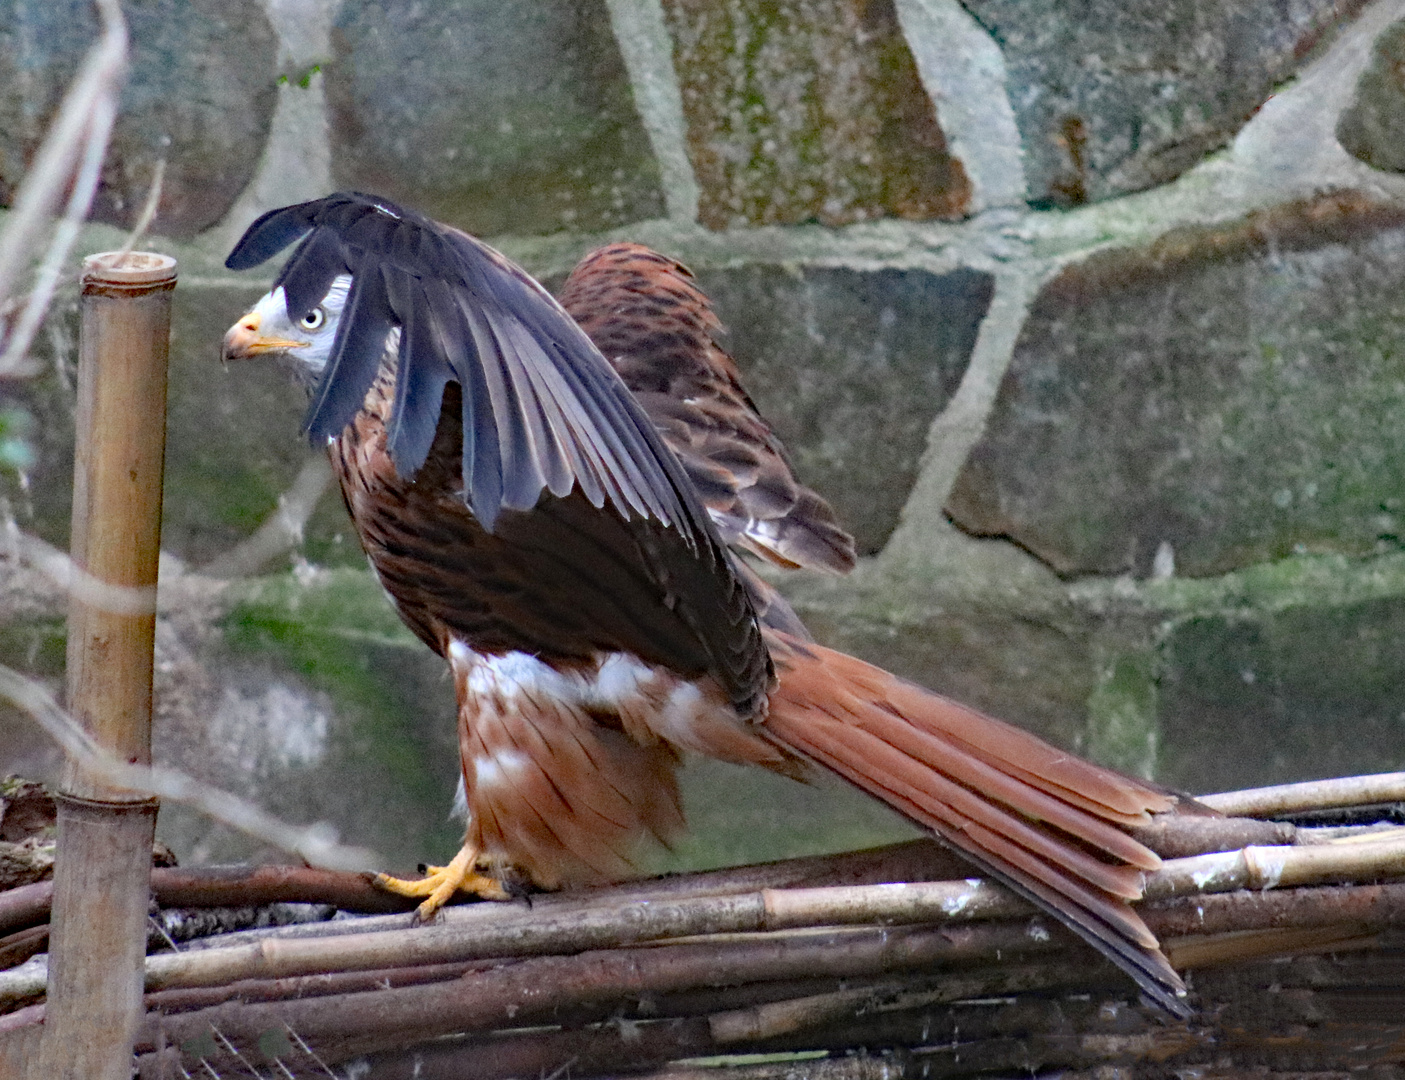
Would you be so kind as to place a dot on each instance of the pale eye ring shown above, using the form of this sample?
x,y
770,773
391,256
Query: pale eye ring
x,y
313,320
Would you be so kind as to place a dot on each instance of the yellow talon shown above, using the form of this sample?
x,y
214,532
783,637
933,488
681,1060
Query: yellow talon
x,y
441,882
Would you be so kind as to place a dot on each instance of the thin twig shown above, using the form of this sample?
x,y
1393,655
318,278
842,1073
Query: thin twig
x,y
1279,867
144,219
98,80
282,530
531,991
103,115
316,844
67,575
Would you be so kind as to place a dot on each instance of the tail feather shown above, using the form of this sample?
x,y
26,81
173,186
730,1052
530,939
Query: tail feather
x,y
1001,796
1008,747
943,802
965,768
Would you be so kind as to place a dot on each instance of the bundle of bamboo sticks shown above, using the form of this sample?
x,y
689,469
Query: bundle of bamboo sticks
x,y
883,963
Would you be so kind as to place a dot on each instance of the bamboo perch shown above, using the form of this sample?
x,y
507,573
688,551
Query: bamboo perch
x,y
1265,1007
756,979
568,923
891,1013
1312,795
977,959
105,834
487,931
913,860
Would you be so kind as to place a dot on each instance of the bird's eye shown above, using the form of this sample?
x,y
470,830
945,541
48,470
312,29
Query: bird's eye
x,y
313,320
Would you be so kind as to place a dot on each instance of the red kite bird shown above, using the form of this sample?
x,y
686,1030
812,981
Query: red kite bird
x,y
552,494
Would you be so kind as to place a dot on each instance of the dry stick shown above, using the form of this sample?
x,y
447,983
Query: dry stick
x,y
222,886
72,578
535,1053
913,860
543,987
346,1025
85,185
1184,924
99,79
535,990
282,530
980,1035
316,844
170,1002
496,932
1176,837
483,931
1275,867
849,1068
144,219
1313,795
610,916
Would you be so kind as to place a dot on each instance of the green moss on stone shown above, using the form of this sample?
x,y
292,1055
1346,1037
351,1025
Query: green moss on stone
x,y
1122,713
336,630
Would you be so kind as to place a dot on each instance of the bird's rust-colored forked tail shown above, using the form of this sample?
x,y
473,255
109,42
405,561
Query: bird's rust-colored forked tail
x,y
1048,824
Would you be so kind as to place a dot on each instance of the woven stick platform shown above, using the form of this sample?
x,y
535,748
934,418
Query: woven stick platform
x,y
888,963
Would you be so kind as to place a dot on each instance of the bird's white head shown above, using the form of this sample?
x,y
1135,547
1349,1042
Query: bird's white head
x,y
306,342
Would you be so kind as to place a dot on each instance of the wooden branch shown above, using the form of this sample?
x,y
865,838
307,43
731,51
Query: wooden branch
x,y
915,860
25,906
1178,837
601,1047
536,990
567,926
530,991
1376,907
736,959
1313,795
1275,867
858,1067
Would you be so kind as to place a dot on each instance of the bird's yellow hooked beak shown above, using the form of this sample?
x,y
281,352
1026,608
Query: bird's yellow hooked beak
x,y
243,342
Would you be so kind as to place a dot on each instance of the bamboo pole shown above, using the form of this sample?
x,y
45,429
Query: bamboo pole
x,y
1310,795
101,875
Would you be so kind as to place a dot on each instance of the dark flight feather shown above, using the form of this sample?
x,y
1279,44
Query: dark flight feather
x,y
544,408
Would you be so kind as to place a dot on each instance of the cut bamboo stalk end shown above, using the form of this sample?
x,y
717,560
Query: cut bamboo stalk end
x,y
103,865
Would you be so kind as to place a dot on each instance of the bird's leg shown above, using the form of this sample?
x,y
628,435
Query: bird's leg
x,y
441,882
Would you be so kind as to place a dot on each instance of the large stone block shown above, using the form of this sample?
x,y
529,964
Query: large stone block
x,y
1276,697
808,110
1114,96
851,367
496,116
200,93
1232,392
1373,126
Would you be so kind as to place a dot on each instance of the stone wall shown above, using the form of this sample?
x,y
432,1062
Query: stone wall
x,y
1085,317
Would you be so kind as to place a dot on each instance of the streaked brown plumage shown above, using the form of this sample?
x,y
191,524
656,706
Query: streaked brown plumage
x,y
645,313
589,646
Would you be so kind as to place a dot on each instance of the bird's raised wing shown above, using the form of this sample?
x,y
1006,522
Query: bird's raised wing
x,y
542,410
646,314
